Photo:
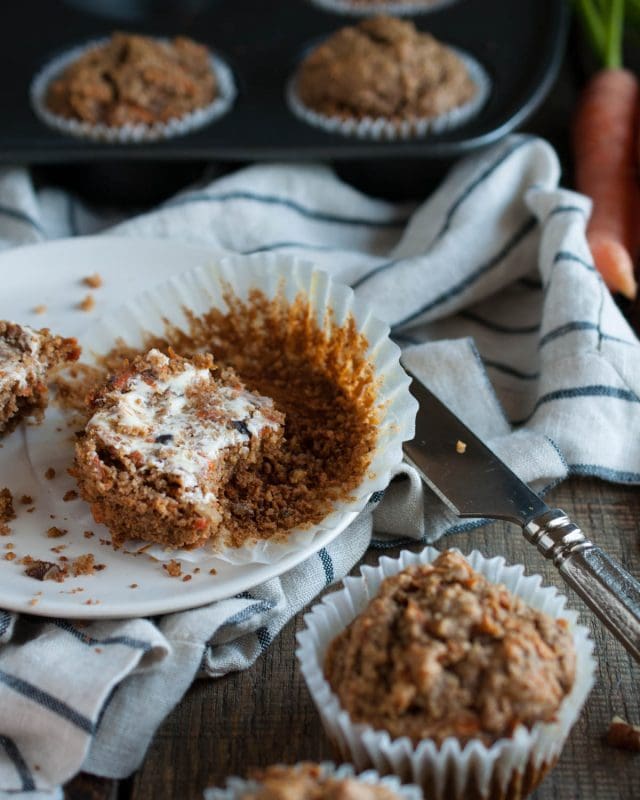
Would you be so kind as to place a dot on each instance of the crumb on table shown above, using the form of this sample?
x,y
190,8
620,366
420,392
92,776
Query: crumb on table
x,y
461,447
623,735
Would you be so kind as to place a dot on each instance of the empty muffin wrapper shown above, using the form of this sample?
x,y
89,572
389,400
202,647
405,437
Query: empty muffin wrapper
x,y
399,8
383,129
236,788
511,767
199,291
129,134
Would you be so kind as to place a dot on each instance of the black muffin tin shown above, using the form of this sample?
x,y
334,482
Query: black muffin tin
x,y
520,44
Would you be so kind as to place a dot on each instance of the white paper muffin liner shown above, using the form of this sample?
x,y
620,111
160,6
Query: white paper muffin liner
x,y
200,290
129,134
511,767
399,8
235,787
383,129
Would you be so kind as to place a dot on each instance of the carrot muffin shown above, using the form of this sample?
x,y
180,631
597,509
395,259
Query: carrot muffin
x,y
383,68
132,79
442,652
26,357
308,781
166,434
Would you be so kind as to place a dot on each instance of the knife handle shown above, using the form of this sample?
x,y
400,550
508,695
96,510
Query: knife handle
x,y
609,590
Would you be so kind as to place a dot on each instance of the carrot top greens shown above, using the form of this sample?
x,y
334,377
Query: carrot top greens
x,y
603,21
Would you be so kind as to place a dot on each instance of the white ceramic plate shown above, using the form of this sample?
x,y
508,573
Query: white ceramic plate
x,y
51,274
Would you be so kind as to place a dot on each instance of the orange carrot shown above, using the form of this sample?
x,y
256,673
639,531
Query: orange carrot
x,y
604,145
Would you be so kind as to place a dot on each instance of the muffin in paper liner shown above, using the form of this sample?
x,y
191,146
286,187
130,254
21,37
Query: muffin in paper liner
x,y
384,129
129,134
236,787
196,292
393,7
510,768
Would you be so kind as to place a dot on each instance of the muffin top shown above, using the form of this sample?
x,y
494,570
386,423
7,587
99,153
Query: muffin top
x,y
307,782
443,652
133,79
383,67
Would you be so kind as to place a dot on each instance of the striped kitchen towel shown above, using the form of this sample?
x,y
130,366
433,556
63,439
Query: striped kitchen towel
x,y
490,289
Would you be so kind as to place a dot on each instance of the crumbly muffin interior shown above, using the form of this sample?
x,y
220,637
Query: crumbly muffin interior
x,y
26,358
443,652
318,375
165,436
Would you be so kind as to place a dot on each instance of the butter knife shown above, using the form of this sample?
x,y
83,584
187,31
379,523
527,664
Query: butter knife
x,y
474,482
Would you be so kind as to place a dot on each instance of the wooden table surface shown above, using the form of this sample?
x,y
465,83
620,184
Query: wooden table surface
x,y
265,714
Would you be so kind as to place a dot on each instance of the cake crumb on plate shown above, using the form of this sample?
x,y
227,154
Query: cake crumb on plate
x,y
93,281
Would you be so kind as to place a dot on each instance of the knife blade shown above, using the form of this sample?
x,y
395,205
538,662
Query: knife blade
x,y
474,482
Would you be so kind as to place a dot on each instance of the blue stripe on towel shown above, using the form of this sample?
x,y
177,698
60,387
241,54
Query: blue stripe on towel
x,y
327,564
267,248
562,330
5,621
260,607
264,637
606,473
564,255
452,208
596,390
268,199
127,641
565,210
493,262
47,701
509,370
21,216
478,182
15,756
498,327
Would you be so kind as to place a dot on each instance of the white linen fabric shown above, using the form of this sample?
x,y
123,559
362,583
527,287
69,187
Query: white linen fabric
x,y
490,288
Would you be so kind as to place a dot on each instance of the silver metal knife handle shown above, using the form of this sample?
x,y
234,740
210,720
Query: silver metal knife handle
x,y
609,590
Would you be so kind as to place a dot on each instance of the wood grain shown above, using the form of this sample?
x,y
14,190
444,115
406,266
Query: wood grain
x,y
265,714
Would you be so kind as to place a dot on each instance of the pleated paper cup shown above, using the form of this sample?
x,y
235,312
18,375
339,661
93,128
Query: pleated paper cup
x,y
236,788
332,303
510,768
385,129
391,7
129,134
